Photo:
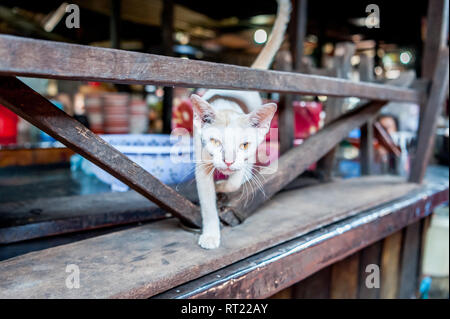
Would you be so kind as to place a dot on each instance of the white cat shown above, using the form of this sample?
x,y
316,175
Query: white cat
x,y
228,127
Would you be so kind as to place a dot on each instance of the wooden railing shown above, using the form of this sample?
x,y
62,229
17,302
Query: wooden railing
x,y
45,59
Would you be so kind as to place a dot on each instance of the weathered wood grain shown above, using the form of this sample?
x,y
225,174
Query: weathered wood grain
x,y
410,260
316,286
37,58
344,278
31,106
274,269
390,266
149,259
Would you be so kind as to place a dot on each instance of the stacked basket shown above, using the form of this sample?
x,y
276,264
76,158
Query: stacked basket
x,y
94,108
115,111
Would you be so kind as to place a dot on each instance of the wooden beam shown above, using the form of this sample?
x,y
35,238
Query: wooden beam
x,y
385,139
297,160
45,59
436,36
297,32
429,118
34,108
286,118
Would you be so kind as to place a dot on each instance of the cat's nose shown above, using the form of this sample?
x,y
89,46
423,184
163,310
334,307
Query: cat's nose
x,y
229,163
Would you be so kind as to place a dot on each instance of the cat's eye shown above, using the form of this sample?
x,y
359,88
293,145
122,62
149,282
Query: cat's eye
x,y
215,142
244,146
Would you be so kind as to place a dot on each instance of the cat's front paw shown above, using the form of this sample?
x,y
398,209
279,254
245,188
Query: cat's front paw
x,y
209,241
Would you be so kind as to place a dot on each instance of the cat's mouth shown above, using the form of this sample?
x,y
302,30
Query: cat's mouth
x,y
226,171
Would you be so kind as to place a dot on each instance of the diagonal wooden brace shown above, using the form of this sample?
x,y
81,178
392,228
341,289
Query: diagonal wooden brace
x,y
34,108
294,162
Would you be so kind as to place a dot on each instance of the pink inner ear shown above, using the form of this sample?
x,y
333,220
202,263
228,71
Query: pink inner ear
x,y
262,116
202,109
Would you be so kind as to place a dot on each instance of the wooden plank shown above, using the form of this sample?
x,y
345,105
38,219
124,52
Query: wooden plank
x,y
283,294
427,129
272,270
410,260
37,58
316,286
370,255
344,278
34,156
31,106
158,256
46,217
42,217
436,36
297,160
390,265
28,219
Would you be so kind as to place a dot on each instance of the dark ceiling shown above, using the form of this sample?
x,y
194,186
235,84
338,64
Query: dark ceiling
x,y
400,20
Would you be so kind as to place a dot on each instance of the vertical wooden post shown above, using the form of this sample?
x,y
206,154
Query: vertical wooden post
x,y
429,117
390,265
334,105
288,61
366,143
409,269
435,42
167,35
436,36
115,24
369,256
297,32
316,286
285,107
344,278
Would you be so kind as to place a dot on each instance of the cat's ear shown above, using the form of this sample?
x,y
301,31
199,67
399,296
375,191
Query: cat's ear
x,y
262,116
203,111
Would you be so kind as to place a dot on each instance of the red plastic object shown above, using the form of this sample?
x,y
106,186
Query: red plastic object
x,y
8,126
182,115
307,118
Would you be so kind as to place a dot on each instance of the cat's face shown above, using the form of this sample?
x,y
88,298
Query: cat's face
x,y
230,139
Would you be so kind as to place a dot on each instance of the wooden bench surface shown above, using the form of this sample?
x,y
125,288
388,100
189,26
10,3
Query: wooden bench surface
x,y
146,260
